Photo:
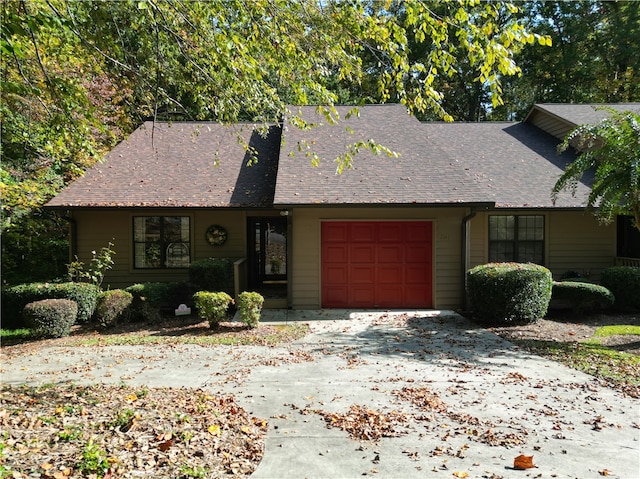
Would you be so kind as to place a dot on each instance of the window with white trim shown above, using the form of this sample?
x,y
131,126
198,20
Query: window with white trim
x,y
161,242
518,238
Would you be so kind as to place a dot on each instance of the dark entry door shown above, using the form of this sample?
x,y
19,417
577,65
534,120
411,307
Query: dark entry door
x,y
267,250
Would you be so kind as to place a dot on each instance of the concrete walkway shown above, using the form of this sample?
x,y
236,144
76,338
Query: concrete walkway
x,y
468,401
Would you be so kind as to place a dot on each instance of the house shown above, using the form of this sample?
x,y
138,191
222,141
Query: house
x,y
395,231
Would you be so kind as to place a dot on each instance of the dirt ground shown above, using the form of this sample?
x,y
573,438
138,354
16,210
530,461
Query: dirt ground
x,y
565,327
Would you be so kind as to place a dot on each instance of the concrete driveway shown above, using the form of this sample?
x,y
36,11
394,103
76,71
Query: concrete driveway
x,y
458,400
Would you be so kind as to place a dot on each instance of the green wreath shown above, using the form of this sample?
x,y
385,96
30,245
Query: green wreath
x,y
216,235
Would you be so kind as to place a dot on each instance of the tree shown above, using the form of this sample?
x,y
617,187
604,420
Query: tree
x,y
593,58
609,149
77,77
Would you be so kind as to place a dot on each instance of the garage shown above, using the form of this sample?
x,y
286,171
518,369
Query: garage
x,y
377,264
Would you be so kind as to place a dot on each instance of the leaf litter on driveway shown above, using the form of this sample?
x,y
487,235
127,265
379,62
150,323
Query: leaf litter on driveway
x,y
427,391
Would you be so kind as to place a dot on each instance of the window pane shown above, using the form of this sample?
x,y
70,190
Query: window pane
x,y
146,228
501,228
147,255
176,228
178,255
530,251
531,228
501,251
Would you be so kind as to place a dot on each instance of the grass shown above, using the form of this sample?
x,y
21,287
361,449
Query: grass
x,y
621,370
170,331
616,330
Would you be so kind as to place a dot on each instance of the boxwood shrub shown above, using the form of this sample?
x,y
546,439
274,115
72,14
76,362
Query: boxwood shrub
x,y
150,300
509,293
624,283
250,307
212,274
50,318
14,299
582,298
212,306
112,307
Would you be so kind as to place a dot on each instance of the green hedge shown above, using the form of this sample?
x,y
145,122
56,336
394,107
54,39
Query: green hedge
x,y
150,300
113,306
15,298
583,298
624,283
50,318
212,274
508,293
212,306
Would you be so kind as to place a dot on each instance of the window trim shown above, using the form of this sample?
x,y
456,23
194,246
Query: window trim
x,y
516,241
162,242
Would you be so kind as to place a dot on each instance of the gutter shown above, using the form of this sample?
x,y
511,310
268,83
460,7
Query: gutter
x,y
465,249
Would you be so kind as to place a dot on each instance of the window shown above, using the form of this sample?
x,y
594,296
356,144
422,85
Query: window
x,y
516,238
161,242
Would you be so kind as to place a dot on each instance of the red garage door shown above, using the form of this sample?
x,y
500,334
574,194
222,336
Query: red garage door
x,y
376,264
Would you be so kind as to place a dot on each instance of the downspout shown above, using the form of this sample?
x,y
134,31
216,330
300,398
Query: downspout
x,y
465,248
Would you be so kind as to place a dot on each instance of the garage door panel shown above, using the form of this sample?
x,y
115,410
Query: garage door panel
x,y
364,232
362,274
362,296
336,296
417,274
390,232
391,253
390,274
336,273
417,253
418,232
362,253
336,253
335,232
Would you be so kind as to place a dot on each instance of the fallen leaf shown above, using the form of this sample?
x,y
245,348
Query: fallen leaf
x,y
523,462
604,472
165,445
460,474
214,430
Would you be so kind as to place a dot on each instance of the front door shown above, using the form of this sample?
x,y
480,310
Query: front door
x,y
267,250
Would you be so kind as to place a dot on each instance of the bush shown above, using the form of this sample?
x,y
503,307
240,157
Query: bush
x,y
14,299
509,292
151,299
624,283
212,274
50,318
113,306
212,306
249,308
583,298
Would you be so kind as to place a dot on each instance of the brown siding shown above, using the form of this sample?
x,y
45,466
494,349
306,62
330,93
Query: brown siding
x,y
551,124
305,278
96,228
574,241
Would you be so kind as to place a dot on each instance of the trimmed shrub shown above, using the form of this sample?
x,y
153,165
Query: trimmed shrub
x,y
509,293
212,306
14,299
50,318
113,306
249,308
212,274
624,283
582,298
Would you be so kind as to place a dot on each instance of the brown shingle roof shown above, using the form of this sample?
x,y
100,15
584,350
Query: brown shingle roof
x,y
580,113
165,165
517,164
422,174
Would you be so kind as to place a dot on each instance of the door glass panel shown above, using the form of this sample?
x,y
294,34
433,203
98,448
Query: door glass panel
x,y
275,248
